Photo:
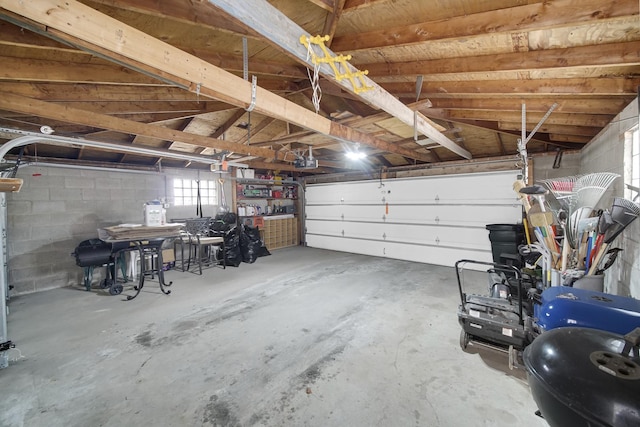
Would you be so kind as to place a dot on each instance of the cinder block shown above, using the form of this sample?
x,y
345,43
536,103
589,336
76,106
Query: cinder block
x,y
122,194
18,207
64,194
31,194
110,183
79,182
48,207
45,181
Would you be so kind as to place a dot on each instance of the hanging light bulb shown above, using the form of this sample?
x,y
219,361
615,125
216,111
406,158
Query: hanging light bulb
x,y
355,154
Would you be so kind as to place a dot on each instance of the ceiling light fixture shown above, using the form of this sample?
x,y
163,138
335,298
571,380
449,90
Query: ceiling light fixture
x,y
355,154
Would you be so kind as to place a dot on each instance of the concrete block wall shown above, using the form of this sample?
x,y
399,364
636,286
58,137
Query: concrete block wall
x,y
606,153
57,208
543,166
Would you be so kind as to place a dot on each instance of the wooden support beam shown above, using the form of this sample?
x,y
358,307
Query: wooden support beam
x,y
569,138
559,129
261,16
257,129
47,71
83,26
193,11
73,115
89,92
522,18
596,120
327,5
25,69
331,23
431,88
578,105
616,54
358,4
228,123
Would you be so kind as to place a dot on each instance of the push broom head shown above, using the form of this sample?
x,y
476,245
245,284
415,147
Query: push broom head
x,y
623,213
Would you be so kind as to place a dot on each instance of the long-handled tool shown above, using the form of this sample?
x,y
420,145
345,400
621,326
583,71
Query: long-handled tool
x,y
587,225
587,192
623,213
543,220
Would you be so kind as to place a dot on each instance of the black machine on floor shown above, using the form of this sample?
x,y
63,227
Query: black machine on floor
x,y
501,318
96,253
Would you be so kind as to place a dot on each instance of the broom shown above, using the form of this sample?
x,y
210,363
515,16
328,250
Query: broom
x,y
623,213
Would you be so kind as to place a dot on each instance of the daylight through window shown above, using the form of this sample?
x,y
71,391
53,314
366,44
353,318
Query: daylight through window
x,y
185,192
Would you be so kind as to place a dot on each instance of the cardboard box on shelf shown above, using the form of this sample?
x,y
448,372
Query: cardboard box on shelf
x,y
245,173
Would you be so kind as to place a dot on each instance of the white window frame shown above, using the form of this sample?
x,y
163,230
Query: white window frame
x,y
185,192
632,162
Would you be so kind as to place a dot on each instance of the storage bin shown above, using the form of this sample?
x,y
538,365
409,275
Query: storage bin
x,y
505,238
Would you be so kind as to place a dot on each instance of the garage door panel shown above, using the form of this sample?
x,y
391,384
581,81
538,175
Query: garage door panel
x,y
358,193
345,213
476,188
346,229
364,247
417,214
469,237
453,215
436,220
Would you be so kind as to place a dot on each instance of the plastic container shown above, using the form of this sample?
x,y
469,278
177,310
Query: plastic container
x,y
505,238
590,283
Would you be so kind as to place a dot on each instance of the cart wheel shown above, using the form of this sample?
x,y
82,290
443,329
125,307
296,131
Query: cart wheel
x,y
464,339
116,289
105,283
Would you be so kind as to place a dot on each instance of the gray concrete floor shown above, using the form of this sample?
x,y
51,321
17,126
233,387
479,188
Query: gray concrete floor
x,y
304,337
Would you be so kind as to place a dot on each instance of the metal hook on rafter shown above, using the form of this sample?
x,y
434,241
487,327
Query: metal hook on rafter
x,y
254,85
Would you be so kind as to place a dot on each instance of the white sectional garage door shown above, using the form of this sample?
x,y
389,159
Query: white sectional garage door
x,y
435,220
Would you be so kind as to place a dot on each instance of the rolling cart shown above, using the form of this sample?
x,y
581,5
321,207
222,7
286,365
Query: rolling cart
x,y
499,319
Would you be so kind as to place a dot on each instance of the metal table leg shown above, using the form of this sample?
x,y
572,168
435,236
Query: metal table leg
x,y
155,248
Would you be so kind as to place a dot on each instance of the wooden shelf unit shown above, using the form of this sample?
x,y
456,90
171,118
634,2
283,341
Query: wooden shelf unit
x,y
281,233
270,197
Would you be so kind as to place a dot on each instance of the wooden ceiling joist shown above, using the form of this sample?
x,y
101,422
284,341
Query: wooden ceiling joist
x,y
261,16
521,87
77,22
73,115
522,18
565,105
627,53
83,92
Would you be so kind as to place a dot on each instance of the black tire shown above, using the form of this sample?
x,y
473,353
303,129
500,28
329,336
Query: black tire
x,y
116,289
464,339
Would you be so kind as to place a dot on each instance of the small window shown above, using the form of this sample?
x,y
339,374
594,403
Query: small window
x,y
185,192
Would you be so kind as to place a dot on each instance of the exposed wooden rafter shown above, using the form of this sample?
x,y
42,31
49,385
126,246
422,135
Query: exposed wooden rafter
x,y
259,15
527,17
77,23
